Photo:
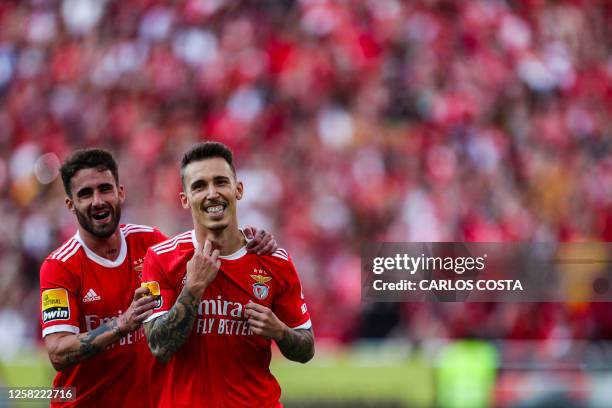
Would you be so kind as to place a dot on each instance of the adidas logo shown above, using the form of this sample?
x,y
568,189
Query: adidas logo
x,y
91,296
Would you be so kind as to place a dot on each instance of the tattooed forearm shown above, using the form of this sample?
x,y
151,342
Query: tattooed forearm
x,y
168,333
71,350
297,345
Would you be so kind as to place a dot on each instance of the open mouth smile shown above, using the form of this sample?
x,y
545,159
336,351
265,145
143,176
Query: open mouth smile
x,y
216,210
101,215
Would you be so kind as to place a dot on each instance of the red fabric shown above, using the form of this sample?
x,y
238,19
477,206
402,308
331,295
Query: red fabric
x,y
223,364
119,376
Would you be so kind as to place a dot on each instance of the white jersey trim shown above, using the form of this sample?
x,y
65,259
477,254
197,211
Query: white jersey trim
x,y
73,251
64,248
281,253
173,247
130,228
103,261
154,316
304,326
60,328
231,257
170,242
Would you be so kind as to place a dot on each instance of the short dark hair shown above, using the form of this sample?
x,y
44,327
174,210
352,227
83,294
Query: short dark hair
x,y
207,150
93,158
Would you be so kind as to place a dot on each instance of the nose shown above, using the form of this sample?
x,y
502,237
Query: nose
x,y
212,191
97,199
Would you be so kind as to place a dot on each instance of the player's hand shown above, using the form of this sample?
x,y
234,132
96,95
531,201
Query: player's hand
x,y
202,269
260,241
264,322
140,309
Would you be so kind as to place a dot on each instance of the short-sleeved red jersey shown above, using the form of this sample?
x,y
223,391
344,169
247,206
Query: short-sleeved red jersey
x,y
222,363
80,291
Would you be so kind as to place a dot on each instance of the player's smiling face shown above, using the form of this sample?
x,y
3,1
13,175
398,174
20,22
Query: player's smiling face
x,y
96,201
211,192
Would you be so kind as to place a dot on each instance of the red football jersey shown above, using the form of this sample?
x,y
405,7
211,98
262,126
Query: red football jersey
x,y
80,291
222,363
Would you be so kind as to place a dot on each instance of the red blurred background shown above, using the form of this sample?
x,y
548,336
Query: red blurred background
x,y
351,121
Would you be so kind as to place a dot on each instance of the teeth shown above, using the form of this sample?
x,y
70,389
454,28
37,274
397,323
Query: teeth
x,y
101,215
215,209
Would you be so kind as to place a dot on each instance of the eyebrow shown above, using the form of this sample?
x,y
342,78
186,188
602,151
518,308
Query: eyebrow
x,y
83,191
197,182
86,190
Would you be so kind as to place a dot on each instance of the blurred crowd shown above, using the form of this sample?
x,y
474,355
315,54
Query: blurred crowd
x,y
351,121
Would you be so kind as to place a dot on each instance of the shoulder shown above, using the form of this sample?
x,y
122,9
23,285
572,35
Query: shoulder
x,y
279,260
129,229
63,265
64,253
171,244
282,254
143,234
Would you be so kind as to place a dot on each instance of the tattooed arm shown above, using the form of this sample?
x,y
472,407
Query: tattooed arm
x,y
168,333
67,349
295,344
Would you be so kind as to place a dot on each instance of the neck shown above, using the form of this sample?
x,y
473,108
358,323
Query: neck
x,y
227,240
108,248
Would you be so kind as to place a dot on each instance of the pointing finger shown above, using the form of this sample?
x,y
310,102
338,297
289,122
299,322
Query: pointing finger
x,y
207,247
215,255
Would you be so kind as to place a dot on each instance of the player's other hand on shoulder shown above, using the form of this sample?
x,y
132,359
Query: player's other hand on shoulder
x,y
140,309
260,242
264,322
202,268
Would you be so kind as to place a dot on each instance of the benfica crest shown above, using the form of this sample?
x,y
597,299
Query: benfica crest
x,y
260,289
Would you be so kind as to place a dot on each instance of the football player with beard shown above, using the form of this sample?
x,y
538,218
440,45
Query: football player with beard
x,y
92,305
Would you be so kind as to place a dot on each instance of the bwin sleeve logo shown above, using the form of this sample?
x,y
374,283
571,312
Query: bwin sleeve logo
x,y
55,305
154,290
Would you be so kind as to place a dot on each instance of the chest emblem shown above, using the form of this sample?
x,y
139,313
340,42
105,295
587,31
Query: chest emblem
x,y
137,264
260,289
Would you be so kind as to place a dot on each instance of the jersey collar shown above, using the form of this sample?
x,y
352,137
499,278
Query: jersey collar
x,y
103,261
231,257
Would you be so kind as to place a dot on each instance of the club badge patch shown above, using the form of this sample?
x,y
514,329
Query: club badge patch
x,y
260,289
54,305
155,292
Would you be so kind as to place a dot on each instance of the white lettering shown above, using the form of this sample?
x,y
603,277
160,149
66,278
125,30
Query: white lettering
x,y
237,310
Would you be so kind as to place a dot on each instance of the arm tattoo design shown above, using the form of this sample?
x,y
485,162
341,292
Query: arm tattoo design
x,y
168,333
88,346
297,345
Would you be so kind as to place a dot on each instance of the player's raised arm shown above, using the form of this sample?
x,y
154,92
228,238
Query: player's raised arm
x,y
66,349
168,332
295,344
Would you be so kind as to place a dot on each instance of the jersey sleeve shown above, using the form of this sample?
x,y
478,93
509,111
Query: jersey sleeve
x,y
156,279
59,305
157,237
290,306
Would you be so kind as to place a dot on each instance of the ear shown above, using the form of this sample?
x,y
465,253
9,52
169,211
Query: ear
x,y
239,190
121,192
184,200
70,205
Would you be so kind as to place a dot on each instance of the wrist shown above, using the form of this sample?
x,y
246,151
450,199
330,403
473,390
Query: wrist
x,y
281,334
196,290
121,327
